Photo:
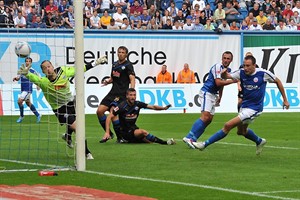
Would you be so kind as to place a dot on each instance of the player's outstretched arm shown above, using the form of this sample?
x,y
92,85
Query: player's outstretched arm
x,y
156,107
100,61
286,104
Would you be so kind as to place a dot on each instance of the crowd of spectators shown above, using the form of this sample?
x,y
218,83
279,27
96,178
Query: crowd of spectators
x,y
220,15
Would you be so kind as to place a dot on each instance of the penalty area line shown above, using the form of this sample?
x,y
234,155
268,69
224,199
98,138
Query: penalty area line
x,y
257,194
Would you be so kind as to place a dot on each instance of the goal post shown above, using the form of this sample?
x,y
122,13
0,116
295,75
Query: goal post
x,y
79,87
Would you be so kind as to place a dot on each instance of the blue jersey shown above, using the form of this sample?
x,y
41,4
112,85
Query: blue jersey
x,y
254,87
26,85
214,73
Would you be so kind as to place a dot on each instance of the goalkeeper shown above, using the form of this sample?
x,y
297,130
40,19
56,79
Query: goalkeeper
x,y
56,88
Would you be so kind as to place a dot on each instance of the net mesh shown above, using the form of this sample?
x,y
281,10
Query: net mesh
x,y
31,145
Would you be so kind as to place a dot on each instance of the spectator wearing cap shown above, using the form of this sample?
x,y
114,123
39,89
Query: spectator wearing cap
x,y
188,24
112,25
255,26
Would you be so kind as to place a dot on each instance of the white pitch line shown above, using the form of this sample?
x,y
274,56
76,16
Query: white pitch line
x,y
257,194
280,191
274,147
192,185
251,145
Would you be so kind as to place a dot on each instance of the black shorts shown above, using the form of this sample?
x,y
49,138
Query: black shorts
x,y
66,114
240,94
112,100
129,135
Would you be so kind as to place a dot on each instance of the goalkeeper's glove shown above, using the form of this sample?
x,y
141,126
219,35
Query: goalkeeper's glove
x,y
101,61
23,70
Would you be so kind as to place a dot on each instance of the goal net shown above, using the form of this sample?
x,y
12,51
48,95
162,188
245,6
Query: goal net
x,y
27,144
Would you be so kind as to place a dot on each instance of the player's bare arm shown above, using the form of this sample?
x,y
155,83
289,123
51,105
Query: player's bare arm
x,y
132,81
156,107
286,104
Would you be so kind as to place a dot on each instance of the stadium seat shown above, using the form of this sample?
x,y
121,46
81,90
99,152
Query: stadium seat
x,y
178,4
243,12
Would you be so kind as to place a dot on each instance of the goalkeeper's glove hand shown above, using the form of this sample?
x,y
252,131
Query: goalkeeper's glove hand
x,y
101,61
23,70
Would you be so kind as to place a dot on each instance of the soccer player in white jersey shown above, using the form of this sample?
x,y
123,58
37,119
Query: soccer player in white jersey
x,y
253,81
210,97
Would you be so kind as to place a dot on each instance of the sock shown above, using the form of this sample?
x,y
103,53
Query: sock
x,y
116,125
87,151
214,138
239,107
69,132
21,110
102,121
197,130
35,112
155,139
253,137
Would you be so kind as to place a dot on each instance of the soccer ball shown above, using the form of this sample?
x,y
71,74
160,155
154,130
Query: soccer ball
x,y
22,49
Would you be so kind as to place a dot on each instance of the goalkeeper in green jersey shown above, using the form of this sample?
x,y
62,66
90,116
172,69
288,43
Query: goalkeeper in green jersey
x,y
56,88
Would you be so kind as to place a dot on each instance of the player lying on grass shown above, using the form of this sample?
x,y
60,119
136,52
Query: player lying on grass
x,y
128,112
56,88
253,82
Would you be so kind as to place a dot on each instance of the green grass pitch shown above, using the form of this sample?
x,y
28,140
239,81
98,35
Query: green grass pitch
x,y
228,169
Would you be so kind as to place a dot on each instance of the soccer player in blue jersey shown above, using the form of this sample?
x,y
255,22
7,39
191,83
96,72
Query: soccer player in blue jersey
x,y
26,90
128,112
253,81
210,97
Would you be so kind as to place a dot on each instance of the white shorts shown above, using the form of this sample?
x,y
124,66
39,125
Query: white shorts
x,y
25,95
248,115
208,101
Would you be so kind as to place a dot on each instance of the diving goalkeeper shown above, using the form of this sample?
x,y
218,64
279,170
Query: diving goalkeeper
x,y
56,88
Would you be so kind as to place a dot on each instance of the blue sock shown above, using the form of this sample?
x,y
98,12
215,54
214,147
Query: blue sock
x,y
150,137
253,137
102,121
32,108
116,125
21,110
216,137
197,130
